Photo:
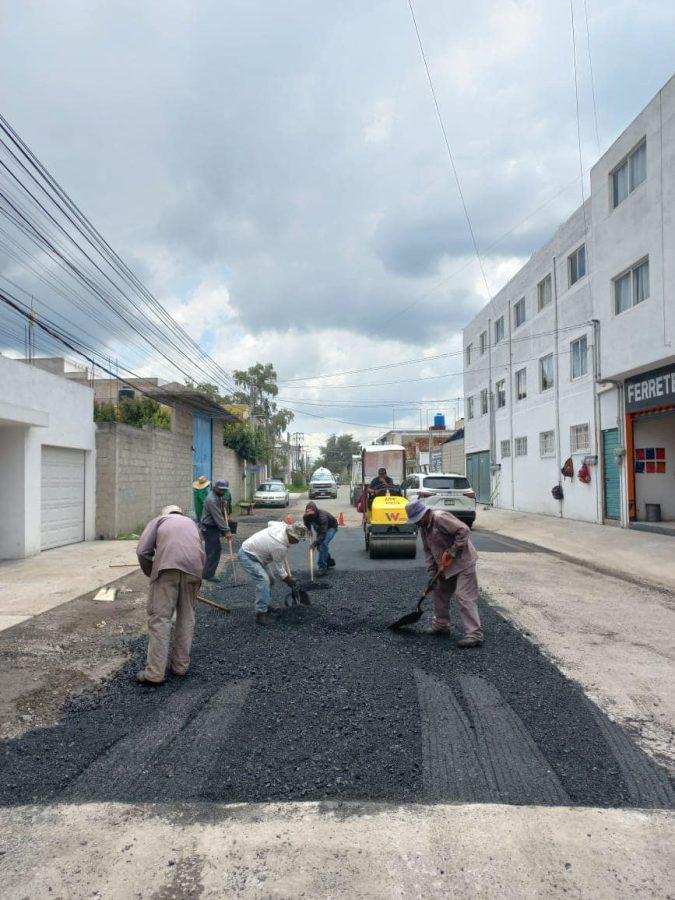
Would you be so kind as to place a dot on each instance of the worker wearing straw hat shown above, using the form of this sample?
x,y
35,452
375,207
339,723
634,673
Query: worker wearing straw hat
x,y
200,490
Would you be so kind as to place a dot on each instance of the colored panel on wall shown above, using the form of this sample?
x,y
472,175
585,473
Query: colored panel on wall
x,y
639,454
651,467
661,468
650,453
661,453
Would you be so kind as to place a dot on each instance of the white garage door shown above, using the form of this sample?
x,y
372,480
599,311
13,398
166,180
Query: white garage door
x,y
62,496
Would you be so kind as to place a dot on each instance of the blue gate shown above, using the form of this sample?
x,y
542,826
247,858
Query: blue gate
x,y
202,434
611,484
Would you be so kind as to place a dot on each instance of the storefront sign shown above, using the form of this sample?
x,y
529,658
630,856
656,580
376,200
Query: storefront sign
x,y
651,390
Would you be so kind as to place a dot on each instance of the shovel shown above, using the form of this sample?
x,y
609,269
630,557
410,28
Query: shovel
x,y
416,615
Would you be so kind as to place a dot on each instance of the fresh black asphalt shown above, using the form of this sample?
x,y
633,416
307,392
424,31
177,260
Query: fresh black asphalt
x,y
327,704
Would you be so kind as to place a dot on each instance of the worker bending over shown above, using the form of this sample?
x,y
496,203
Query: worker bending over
x,y
269,548
171,554
447,542
214,527
324,527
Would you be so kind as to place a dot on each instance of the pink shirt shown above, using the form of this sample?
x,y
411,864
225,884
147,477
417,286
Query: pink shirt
x,y
446,532
171,542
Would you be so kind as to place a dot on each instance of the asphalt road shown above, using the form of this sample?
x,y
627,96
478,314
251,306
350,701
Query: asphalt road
x,y
328,705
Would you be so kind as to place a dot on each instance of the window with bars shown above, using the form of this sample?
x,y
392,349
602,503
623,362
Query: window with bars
x,y
501,394
499,330
546,372
469,407
544,293
579,357
632,287
631,172
519,313
505,449
483,401
520,446
546,443
521,384
576,265
580,438
483,342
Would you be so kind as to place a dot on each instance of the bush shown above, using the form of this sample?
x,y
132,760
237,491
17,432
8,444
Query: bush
x,y
298,481
134,412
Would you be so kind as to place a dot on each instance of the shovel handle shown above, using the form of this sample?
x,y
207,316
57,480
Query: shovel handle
x,y
224,609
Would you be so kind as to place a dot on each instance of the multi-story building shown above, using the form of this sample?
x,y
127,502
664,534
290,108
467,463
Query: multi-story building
x,y
574,359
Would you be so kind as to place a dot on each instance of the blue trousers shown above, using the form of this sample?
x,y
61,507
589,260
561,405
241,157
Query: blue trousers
x,y
259,574
324,552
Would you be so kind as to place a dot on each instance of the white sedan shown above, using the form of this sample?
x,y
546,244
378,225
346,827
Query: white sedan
x,y
443,490
272,493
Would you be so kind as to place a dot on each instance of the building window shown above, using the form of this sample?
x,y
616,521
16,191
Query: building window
x,y
546,443
631,171
505,448
499,330
519,313
579,357
576,265
544,293
501,394
546,372
520,446
483,342
483,401
467,354
469,407
632,287
580,438
521,384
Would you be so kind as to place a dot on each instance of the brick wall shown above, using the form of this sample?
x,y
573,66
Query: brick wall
x,y
140,470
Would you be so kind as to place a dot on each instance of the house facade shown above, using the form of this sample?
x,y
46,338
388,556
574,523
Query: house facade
x,y
574,359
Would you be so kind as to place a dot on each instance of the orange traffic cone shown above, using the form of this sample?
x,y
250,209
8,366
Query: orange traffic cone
x,y
288,520
341,519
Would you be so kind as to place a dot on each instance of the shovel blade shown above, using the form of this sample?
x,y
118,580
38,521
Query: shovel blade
x,y
408,619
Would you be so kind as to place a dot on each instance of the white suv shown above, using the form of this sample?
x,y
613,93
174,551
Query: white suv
x,y
443,490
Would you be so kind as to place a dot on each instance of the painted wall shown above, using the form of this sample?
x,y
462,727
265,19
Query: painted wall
x,y
656,431
37,409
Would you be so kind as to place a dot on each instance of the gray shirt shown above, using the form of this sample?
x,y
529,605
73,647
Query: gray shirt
x,y
213,512
171,542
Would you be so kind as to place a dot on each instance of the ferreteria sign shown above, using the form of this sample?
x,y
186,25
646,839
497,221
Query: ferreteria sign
x,y
651,389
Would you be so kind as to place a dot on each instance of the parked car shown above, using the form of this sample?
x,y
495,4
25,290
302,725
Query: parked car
x,y
443,490
322,485
272,493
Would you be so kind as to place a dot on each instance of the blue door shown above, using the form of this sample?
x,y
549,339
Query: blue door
x,y
202,433
611,484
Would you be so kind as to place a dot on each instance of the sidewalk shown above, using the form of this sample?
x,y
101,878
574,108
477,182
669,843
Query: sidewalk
x,y
31,586
635,555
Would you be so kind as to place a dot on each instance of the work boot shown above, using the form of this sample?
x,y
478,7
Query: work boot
x,y
142,678
263,618
321,573
469,642
331,562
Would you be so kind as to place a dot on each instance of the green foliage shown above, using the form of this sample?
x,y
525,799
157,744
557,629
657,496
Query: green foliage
x,y
338,452
209,390
247,441
134,412
298,480
258,387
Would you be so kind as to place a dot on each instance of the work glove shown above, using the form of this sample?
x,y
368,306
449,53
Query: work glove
x,y
447,559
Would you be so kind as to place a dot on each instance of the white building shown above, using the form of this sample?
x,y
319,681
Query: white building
x,y
47,460
575,356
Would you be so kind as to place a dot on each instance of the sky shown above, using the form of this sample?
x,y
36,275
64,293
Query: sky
x,y
275,171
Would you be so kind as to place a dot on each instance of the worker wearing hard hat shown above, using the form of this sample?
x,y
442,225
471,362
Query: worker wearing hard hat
x,y
170,552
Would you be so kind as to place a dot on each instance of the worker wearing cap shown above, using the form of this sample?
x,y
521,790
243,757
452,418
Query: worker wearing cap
x,y
266,551
324,526
171,554
200,490
214,527
382,481
447,542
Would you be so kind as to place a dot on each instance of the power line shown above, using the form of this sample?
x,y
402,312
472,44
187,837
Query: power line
x,y
590,68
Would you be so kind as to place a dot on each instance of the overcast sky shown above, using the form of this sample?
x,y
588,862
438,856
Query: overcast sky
x,y
275,172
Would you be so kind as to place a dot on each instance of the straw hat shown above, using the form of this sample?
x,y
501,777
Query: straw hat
x,y
171,509
201,483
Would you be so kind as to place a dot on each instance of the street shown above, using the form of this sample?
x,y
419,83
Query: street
x,y
324,707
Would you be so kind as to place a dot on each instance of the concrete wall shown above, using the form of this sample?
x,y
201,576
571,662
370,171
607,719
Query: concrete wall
x,y
453,457
656,431
38,408
140,470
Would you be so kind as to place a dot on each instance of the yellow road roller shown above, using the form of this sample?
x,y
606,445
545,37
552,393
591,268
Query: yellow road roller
x,y
386,530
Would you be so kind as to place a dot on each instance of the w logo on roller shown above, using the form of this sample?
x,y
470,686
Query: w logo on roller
x,y
393,516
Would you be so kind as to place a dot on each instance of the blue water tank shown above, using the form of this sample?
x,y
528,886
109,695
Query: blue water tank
x,y
439,420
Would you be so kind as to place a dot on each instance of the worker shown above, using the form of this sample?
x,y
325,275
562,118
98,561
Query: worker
x,y
214,527
200,489
269,549
382,481
324,527
171,554
227,497
447,542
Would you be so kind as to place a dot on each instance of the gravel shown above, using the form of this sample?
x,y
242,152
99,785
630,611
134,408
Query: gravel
x,y
327,704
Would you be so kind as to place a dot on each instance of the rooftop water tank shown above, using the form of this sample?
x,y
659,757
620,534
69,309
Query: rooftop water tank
x,y
439,421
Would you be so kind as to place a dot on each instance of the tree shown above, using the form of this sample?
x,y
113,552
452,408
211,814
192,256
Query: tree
x,y
258,388
338,452
209,390
247,441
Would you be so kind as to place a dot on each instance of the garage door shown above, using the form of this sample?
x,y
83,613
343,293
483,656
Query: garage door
x,y
62,496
